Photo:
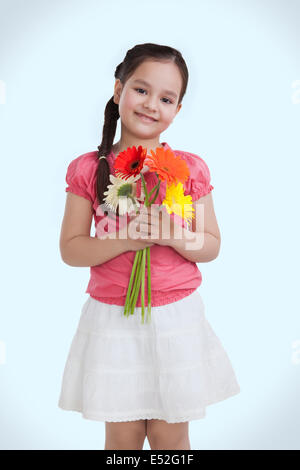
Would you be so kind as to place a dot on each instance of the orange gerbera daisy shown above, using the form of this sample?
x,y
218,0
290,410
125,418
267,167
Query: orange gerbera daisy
x,y
168,167
130,162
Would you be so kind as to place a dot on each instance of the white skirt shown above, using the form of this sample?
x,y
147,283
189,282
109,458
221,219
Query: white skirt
x,y
120,369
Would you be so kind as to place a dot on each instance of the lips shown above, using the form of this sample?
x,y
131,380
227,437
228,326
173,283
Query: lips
x,y
147,117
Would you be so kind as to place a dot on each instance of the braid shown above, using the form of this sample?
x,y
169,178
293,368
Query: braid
x,y
109,129
111,116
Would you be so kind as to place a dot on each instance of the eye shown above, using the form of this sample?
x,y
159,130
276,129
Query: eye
x,y
168,100
137,89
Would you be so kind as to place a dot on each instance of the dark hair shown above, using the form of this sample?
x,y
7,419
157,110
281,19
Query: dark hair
x,y
134,57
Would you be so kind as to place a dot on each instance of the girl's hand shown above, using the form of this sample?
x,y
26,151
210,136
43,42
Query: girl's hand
x,y
131,236
154,225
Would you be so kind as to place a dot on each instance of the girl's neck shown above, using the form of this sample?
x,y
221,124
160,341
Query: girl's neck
x,y
120,147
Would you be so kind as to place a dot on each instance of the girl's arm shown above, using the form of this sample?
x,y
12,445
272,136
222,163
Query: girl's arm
x,y
84,250
202,244
200,248
78,248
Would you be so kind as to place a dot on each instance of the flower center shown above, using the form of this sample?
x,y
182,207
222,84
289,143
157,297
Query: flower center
x,y
125,189
135,164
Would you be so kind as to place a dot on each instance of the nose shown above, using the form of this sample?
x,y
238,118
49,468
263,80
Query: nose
x,y
150,103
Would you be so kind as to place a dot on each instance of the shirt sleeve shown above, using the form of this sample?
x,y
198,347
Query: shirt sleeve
x,y
199,180
80,177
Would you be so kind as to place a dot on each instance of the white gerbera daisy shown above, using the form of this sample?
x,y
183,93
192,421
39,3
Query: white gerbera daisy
x,y
123,193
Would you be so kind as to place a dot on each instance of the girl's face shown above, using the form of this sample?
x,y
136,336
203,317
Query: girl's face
x,y
152,90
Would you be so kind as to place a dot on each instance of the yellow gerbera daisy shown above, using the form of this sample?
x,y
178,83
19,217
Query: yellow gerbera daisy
x,y
175,201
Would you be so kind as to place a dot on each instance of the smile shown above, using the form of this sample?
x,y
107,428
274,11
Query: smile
x,y
145,118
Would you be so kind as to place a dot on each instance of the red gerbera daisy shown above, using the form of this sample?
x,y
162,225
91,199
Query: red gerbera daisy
x,y
130,162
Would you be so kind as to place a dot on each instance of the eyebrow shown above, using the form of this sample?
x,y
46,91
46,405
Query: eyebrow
x,y
143,82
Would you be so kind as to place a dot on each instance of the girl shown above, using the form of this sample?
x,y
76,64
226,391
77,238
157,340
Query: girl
x,y
142,379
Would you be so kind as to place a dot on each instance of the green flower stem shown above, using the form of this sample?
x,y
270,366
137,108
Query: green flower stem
x,y
136,293
136,284
130,281
152,190
137,277
135,281
149,284
156,194
148,203
136,287
143,284
145,189
131,294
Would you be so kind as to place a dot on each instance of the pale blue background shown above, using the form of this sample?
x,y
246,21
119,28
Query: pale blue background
x,y
241,113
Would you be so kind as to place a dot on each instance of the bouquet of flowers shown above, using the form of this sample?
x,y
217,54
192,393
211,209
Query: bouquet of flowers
x,y
130,166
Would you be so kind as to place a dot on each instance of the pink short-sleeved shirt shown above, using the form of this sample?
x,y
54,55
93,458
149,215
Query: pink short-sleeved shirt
x,y
172,276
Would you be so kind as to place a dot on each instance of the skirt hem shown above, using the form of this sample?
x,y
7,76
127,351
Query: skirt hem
x,y
135,417
151,414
